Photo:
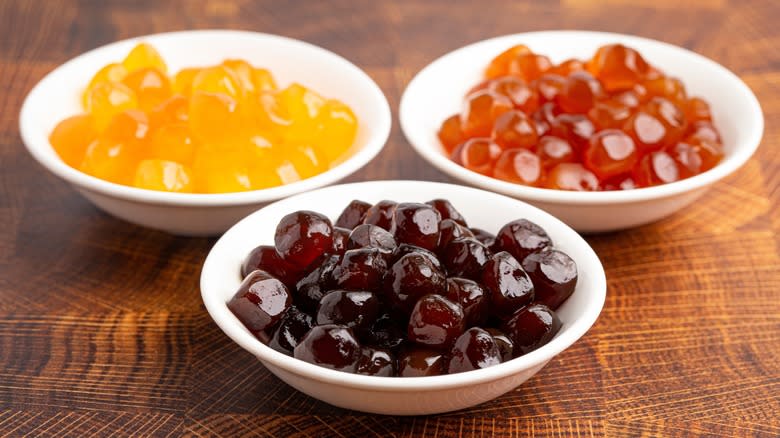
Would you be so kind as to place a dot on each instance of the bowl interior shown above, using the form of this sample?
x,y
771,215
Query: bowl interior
x,y
437,92
58,95
220,276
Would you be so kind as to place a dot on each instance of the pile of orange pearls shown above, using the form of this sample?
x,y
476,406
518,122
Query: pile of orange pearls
x,y
612,122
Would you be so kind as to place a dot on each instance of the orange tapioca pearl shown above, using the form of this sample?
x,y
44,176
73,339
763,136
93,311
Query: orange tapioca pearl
x,y
300,101
450,135
151,87
520,166
173,142
221,169
302,106
163,175
268,116
264,177
703,130
609,113
309,161
618,67
610,153
697,109
276,164
554,150
529,66
480,111
338,127
514,129
263,80
262,115
219,79
299,162
175,109
523,97
656,168
215,120
114,155
111,160
71,137
571,176
695,156
108,99
567,67
265,157
477,154
129,125
144,56
580,92
111,73
667,87
499,66
243,72
549,86
182,81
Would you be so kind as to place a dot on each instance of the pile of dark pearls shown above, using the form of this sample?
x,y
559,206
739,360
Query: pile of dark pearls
x,y
403,289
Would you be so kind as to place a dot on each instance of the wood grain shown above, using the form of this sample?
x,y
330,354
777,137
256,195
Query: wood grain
x,y
102,331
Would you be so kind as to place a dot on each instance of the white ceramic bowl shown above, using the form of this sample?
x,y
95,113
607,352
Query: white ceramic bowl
x,y
437,92
58,95
402,396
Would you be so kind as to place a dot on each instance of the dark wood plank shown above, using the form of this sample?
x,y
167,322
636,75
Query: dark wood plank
x,y
102,331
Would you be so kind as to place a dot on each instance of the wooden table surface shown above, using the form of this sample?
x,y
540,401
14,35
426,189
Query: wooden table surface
x,y
102,329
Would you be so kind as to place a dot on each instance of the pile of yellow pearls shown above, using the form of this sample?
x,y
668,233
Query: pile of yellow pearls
x,y
218,129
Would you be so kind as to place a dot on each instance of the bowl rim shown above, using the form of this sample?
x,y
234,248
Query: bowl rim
x,y
48,158
232,327
733,161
